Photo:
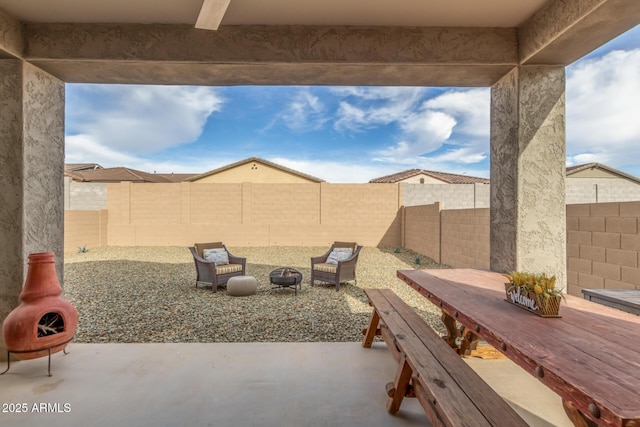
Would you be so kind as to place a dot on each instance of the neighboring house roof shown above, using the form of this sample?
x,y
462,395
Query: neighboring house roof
x,y
176,177
464,179
120,174
81,166
579,168
449,178
257,160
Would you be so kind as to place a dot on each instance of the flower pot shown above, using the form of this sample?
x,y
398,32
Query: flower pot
x,y
530,301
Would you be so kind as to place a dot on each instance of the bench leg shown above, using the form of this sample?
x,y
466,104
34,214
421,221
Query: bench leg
x,y
372,330
401,384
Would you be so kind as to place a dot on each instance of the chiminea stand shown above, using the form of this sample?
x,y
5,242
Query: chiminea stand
x,y
48,349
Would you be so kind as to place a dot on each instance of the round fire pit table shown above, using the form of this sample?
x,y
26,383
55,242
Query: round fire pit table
x,y
286,277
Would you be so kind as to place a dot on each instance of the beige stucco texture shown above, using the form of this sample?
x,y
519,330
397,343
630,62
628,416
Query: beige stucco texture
x,y
528,171
257,172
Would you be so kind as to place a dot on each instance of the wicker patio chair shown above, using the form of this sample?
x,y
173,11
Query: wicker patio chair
x,y
341,271
216,275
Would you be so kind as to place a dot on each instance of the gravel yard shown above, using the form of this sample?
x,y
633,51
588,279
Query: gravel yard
x,y
148,294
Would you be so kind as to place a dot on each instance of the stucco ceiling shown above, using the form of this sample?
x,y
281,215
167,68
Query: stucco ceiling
x,y
477,13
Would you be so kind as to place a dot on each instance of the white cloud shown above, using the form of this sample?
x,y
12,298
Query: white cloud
x,y
337,171
351,118
423,132
84,149
580,159
364,108
305,112
471,108
465,112
603,109
465,155
139,119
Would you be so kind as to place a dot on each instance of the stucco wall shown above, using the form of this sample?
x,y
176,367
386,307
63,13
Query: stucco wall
x,y
254,172
11,189
528,218
31,174
426,179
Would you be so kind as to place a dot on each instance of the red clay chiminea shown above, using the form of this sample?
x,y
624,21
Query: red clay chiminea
x,y
44,322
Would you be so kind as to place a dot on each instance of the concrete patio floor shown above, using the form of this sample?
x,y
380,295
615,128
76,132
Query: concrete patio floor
x,y
238,384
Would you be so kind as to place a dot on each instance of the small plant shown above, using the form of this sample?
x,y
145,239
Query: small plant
x,y
418,260
397,250
543,286
83,249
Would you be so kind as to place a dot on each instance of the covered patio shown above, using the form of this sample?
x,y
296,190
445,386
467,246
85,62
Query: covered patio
x,y
519,49
239,384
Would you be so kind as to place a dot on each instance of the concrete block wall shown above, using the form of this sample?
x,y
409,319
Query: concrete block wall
x,y
362,209
598,190
290,204
251,214
603,239
84,196
211,203
93,195
603,246
458,196
421,230
465,238
466,196
85,229
155,203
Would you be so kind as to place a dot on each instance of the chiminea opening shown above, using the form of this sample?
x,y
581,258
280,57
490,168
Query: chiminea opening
x,y
50,324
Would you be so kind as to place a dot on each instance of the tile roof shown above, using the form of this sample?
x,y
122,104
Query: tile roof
x,y
259,160
464,179
119,174
81,166
449,178
177,177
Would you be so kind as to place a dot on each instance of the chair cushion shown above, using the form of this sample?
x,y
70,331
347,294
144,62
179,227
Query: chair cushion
x,y
339,254
326,268
229,268
219,256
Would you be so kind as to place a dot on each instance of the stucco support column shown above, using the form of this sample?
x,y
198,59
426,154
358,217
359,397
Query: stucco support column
x,y
528,218
31,174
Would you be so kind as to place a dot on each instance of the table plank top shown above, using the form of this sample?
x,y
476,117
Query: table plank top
x,y
590,356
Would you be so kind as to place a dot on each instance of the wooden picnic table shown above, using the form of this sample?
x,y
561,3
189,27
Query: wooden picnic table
x,y
590,356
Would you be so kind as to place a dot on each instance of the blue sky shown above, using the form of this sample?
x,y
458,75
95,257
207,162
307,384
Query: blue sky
x,y
345,134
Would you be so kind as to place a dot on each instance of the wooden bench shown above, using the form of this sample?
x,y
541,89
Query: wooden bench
x,y
451,393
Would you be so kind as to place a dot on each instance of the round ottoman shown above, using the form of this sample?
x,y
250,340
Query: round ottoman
x,y
240,286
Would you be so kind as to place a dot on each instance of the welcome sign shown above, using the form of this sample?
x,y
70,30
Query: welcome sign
x,y
523,297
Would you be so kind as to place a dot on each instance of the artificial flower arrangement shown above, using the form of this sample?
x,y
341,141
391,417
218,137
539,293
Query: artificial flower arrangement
x,y
534,292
